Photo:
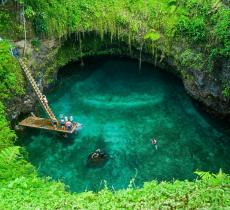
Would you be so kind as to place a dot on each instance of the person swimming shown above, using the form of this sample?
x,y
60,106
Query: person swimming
x,y
95,155
98,154
154,142
97,158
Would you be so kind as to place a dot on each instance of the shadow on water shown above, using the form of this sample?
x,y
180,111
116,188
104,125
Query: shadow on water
x,y
221,125
121,110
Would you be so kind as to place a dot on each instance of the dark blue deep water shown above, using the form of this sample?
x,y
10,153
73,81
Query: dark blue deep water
x,y
121,110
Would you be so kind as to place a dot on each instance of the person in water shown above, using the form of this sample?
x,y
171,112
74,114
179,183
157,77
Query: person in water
x,y
95,155
97,158
154,142
98,151
98,154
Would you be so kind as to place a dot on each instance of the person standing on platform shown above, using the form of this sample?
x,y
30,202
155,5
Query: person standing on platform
x,y
69,125
62,121
71,119
66,119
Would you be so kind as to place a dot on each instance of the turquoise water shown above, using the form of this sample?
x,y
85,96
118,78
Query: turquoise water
x,y
121,110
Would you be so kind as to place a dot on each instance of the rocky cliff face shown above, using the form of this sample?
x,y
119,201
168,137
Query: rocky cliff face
x,y
37,59
207,89
45,61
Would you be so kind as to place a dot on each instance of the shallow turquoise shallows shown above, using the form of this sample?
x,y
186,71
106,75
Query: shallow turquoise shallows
x,y
121,110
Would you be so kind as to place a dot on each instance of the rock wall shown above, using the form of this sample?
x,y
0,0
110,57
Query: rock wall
x,y
45,61
36,60
207,89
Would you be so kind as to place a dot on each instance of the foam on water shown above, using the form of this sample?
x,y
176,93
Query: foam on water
x,y
121,110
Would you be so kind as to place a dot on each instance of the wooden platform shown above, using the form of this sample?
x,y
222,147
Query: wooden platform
x,y
42,123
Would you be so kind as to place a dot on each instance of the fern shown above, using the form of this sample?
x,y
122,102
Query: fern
x,y
13,164
9,154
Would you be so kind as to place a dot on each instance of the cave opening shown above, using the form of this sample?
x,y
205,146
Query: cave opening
x,y
122,109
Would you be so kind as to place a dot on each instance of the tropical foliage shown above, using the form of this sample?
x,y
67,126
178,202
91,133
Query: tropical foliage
x,y
152,23
21,188
10,74
194,20
7,136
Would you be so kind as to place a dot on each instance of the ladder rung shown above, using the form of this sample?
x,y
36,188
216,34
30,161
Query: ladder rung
x,y
37,90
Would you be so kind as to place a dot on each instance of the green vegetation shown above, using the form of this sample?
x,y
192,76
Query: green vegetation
x,y
9,27
10,73
21,188
200,22
226,90
7,136
158,25
192,59
195,21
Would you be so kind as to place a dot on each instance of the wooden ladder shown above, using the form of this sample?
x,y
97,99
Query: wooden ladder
x,y
37,91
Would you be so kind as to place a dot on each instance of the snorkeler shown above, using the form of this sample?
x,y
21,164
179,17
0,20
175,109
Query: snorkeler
x,y
98,151
95,155
97,158
154,142
98,154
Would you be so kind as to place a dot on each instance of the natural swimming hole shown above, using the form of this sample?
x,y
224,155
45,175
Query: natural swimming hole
x,y
121,109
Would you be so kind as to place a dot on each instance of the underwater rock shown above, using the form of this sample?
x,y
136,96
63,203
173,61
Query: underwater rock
x,y
97,159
